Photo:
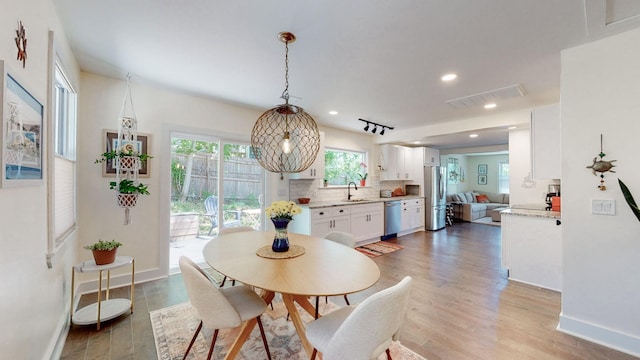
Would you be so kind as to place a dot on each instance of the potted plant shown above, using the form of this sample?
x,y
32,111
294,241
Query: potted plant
x,y
363,178
629,199
128,192
104,252
126,160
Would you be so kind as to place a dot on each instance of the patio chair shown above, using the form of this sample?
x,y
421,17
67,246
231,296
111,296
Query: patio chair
x,y
211,207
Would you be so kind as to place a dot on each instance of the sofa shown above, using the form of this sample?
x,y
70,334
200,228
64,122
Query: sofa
x,y
476,204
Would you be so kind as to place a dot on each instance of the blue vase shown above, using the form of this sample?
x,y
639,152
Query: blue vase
x,y
281,238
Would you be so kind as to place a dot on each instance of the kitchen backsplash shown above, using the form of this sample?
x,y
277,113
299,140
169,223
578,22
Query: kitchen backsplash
x,y
314,190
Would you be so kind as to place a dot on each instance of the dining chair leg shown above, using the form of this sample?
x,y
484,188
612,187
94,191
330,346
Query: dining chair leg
x,y
213,344
264,338
313,354
346,300
317,305
193,339
223,281
388,354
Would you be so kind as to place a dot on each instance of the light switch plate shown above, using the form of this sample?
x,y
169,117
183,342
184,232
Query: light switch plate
x,y
603,207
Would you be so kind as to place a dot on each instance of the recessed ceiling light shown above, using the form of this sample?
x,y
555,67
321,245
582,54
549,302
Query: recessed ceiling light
x,y
333,112
512,127
473,135
416,142
448,77
490,106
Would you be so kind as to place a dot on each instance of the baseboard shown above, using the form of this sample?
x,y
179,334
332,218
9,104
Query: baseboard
x,y
597,334
54,350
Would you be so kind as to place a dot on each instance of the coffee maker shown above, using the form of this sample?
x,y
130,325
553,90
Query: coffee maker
x,y
553,197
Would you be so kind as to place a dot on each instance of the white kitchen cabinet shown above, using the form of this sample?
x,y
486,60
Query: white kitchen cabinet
x,y
389,162
532,250
316,170
431,157
367,221
319,221
412,215
545,142
397,162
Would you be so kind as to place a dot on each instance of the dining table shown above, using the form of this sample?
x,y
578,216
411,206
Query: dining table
x,y
313,266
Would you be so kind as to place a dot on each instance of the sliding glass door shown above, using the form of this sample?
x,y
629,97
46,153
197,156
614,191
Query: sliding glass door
x,y
215,183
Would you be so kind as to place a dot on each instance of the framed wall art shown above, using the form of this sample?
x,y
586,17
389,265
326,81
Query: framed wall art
x,y
21,134
482,179
482,169
111,143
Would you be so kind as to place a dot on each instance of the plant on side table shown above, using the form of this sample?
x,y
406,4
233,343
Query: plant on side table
x,y
104,252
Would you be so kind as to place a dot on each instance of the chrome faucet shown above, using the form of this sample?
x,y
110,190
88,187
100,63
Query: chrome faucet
x,y
349,189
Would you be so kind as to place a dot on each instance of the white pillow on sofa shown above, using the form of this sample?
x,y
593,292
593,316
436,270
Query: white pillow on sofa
x,y
460,198
469,197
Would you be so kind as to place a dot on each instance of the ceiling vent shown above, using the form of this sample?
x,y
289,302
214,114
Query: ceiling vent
x,y
487,97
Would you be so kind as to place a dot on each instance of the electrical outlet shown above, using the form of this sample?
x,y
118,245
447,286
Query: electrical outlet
x,y
603,207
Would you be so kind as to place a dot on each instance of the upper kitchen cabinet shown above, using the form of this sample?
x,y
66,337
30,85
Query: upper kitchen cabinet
x,y
545,142
316,170
431,157
397,162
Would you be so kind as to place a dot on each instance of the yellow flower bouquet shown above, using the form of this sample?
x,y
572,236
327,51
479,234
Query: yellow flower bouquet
x,y
283,209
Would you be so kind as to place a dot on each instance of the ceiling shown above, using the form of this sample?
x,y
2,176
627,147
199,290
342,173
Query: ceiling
x,y
372,59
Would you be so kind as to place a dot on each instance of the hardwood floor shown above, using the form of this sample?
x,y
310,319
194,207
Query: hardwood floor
x,y
462,306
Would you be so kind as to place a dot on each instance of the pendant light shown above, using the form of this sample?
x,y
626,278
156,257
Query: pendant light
x,y
285,139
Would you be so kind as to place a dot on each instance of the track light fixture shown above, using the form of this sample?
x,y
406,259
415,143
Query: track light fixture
x,y
375,127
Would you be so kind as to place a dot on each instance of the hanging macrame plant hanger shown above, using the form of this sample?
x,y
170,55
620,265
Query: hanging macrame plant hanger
x,y
127,167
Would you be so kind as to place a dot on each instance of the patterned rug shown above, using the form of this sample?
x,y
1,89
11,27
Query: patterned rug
x,y
174,326
378,248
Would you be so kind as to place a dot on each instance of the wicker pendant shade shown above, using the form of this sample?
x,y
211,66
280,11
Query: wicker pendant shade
x,y
285,139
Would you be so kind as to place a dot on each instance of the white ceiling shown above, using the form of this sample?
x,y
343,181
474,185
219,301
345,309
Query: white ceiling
x,y
379,60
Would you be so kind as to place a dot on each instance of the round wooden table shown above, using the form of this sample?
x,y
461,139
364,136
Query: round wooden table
x,y
326,268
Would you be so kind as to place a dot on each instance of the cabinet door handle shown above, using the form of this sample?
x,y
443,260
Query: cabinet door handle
x,y
321,213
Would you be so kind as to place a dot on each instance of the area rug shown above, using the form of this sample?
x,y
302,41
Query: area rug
x,y
487,221
378,248
174,326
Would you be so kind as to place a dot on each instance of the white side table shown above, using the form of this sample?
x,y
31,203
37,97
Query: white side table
x,y
106,309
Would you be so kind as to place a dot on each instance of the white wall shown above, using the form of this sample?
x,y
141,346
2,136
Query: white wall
x,y
159,111
600,92
523,190
34,300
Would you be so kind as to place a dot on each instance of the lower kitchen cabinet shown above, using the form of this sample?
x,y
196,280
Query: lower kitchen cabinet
x,y
367,221
412,216
319,221
363,221
532,250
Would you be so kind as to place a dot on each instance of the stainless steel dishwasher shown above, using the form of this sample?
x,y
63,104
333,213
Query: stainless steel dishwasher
x,y
392,211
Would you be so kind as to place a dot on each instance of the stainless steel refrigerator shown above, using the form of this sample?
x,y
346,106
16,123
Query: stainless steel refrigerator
x,y
435,192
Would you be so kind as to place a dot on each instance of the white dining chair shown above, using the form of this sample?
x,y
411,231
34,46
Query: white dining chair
x,y
231,230
345,239
363,331
220,308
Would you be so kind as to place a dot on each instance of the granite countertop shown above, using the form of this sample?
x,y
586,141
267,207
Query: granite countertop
x,y
533,213
320,204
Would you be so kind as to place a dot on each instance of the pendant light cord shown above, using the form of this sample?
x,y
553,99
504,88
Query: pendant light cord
x,y
285,93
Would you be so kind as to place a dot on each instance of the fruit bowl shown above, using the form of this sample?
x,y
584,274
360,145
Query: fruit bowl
x,y
303,200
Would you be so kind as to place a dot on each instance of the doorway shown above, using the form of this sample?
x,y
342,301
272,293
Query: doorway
x,y
215,183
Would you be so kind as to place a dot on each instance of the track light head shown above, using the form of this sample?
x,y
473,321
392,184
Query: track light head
x,y
366,128
374,129
382,132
